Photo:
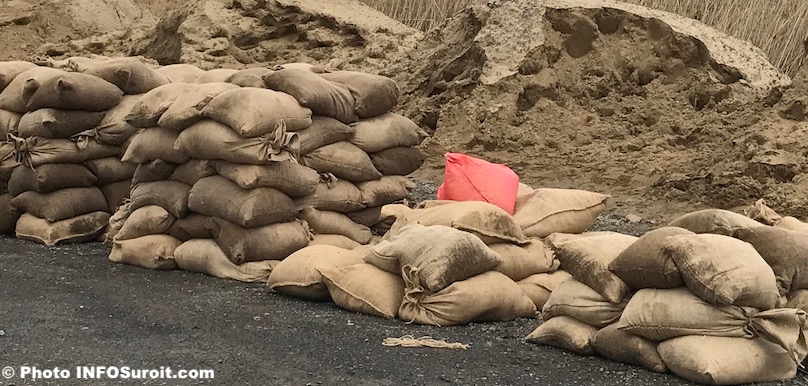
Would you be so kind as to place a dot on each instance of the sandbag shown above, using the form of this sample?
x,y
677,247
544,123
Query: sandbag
x,y
326,222
344,160
172,196
8,214
75,91
385,190
8,161
204,256
433,265
387,131
146,220
153,144
217,75
539,287
192,171
488,297
723,270
152,252
365,289
18,92
251,77
323,97
587,257
253,112
322,132
59,124
110,169
208,139
645,265
368,217
398,161
186,109
217,196
35,151
49,178
566,333
784,250
714,360
298,275
8,122
11,69
77,229
717,221
471,179
519,262
150,107
578,301
130,75
113,128
301,66
339,196
374,94
180,73
194,226
291,178
623,347
116,222
157,170
489,222
334,240
271,242
546,211
116,193
61,204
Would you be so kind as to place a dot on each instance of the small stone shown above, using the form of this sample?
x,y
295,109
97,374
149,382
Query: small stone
x,y
2,333
633,218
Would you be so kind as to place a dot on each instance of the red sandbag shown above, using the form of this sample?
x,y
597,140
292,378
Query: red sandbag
x,y
472,179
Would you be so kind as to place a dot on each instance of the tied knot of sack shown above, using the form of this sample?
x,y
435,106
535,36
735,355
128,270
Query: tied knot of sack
x,y
22,150
784,327
278,145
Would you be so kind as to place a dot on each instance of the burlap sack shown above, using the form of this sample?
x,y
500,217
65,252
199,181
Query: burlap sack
x,y
146,220
797,299
298,275
116,193
520,262
151,106
334,240
187,108
374,94
195,226
291,178
79,229
344,160
35,151
217,196
8,214
157,170
577,300
75,91
762,213
8,161
664,314
488,297
208,139
59,124
365,289
711,360
61,204
181,73
152,252
322,132
367,217
546,211
217,75
271,242
645,265
539,287
253,112
717,221
251,77
153,144
192,171
169,195
116,222
588,256
339,196
323,97
387,131
8,122
326,222
110,169
18,92
565,333
437,256
489,222
11,69
784,250
301,66
398,161
623,347
130,75
204,256
723,270
113,128
386,190
49,178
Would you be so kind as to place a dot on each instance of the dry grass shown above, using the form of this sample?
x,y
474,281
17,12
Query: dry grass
x,y
779,27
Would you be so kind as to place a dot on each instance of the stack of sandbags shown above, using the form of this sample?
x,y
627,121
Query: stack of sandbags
x,y
8,124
